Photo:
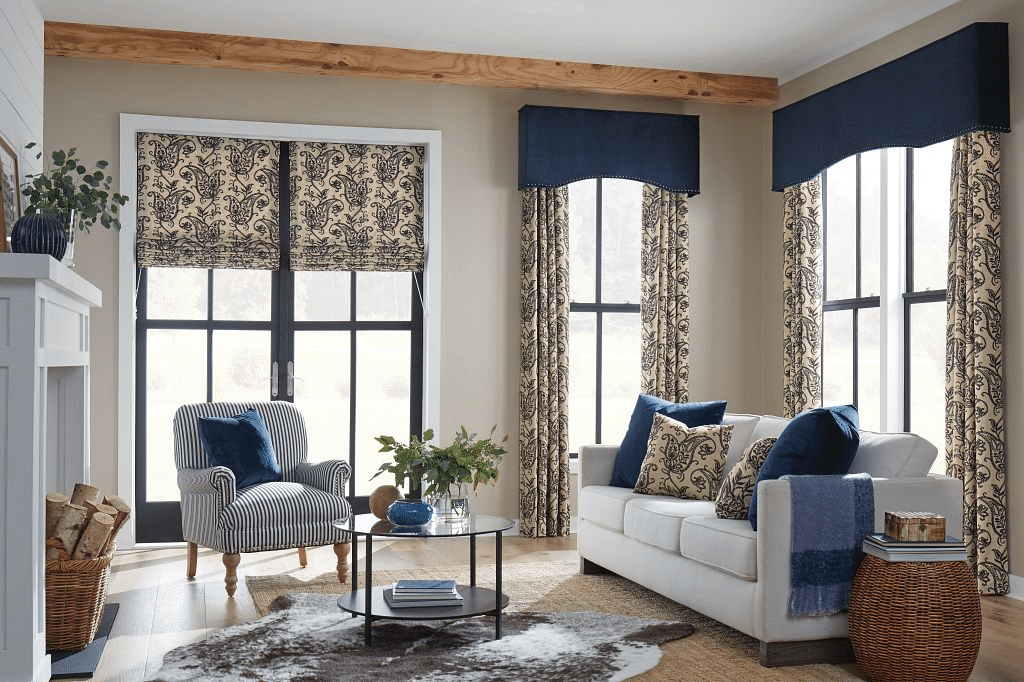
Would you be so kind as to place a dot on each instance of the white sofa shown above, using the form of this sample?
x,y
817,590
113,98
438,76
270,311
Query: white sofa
x,y
724,569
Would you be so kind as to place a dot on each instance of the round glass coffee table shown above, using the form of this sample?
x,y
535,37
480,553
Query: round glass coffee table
x,y
370,602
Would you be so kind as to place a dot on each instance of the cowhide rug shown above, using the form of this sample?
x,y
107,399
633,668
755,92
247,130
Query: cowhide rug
x,y
307,637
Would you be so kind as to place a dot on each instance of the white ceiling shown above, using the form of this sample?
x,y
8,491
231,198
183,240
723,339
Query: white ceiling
x,y
779,38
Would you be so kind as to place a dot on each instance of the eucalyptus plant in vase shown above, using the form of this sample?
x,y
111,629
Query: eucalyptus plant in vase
x,y
445,474
76,196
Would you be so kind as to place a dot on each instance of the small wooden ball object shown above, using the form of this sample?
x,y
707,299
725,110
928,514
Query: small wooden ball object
x,y
381,499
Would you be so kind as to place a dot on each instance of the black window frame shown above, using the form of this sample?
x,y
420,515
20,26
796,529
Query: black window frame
x,y
160,521
910,296
599,309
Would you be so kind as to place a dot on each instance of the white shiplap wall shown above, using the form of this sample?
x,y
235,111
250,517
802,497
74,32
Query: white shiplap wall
x,y
21,79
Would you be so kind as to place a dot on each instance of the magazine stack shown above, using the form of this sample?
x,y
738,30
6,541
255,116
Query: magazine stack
x,y
413,594
890,549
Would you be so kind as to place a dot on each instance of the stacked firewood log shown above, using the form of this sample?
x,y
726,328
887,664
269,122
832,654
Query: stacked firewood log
x,y
84,525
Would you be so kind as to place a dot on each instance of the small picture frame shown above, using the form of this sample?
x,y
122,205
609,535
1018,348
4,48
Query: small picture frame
x,y
10,193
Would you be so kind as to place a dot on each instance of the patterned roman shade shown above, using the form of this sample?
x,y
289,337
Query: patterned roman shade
x,y
207,202
356,207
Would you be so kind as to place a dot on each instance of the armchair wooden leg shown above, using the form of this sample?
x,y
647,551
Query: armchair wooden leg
x,y
193,555
302,557
341,549
231,577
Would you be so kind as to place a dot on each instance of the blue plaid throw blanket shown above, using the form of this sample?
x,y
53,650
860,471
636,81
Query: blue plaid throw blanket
x,y
831,516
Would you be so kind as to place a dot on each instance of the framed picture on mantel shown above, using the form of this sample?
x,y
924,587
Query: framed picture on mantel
x,y
10,197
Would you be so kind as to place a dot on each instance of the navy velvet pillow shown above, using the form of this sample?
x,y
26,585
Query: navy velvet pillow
x,y
634,446
242,444
822,441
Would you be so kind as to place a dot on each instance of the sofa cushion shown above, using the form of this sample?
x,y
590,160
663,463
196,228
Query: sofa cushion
x,y
634,445
742,430
737,489
820,441
769,425
728,545
893,455
683,462
605,505
655,519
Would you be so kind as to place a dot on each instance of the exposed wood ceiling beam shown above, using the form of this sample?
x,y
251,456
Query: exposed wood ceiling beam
x,y
87,41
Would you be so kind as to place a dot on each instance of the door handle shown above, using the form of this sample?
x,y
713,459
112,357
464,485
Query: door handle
x,y
291,379
273,379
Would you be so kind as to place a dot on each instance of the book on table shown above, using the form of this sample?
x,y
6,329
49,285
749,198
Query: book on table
x,y
890,549
420,590
425,586
415,603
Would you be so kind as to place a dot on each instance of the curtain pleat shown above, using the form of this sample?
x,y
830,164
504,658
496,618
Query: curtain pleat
x,y
664,298
543,393
975,450
356,207
802,297
207,202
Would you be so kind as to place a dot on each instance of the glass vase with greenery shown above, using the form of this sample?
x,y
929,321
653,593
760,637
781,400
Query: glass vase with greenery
x,y
70,190
444,471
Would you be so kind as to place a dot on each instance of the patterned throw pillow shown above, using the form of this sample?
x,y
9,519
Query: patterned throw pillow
x,y
683,462
733,500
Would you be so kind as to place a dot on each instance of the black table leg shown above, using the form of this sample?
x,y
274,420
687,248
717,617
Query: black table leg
x,y
368,593
472,561
355,565
497,585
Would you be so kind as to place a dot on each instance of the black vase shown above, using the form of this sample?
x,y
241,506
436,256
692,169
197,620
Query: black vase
x,y
39,233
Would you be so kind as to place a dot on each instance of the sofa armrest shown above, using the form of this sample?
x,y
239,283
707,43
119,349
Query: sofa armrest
x,y
938,494
330,476
217,482
596,464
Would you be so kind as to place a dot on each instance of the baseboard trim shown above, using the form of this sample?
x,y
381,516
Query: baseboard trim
x,y
776,654
1016,587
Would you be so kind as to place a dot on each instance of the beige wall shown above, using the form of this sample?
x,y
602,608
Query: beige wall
x,y
896,45
481,207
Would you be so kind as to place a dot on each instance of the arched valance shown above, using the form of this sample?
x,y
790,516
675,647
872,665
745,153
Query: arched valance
x,y
956,85
559,145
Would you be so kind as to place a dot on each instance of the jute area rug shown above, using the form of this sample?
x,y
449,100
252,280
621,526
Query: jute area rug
x,y
715,652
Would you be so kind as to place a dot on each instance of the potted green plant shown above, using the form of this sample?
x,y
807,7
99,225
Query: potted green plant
x,y
79,197
445,473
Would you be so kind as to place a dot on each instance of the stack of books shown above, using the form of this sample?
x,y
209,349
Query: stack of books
x,y
422,593
886,547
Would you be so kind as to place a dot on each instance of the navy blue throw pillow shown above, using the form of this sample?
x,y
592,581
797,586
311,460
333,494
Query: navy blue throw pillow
x,y
634,445
818,442
242,444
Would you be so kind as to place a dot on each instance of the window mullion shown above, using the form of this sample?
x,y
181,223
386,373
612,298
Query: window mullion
x,y
893,280
598,318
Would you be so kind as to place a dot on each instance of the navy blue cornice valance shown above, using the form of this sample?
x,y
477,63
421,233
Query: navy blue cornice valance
x,y
956,85
559,145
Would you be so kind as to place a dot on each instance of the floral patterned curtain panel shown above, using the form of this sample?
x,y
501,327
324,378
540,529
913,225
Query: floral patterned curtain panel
x,y
356,207
802,297
975,443
543,392
207,202
665,290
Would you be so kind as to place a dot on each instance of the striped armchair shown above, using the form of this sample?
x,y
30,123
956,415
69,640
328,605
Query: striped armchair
x,y
295,512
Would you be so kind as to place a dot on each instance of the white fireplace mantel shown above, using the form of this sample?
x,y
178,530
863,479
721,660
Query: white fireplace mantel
x,y
44,436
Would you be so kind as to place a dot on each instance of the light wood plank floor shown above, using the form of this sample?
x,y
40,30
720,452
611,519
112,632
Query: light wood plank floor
x,y
161,609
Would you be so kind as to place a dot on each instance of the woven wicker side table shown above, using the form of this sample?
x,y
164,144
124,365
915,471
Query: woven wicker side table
x,y
915,620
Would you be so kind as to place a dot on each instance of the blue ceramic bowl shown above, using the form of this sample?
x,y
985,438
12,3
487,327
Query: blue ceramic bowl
x,y
410,512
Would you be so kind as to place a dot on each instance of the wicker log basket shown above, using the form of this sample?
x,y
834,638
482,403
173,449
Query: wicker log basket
x,y
76,592
913,621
